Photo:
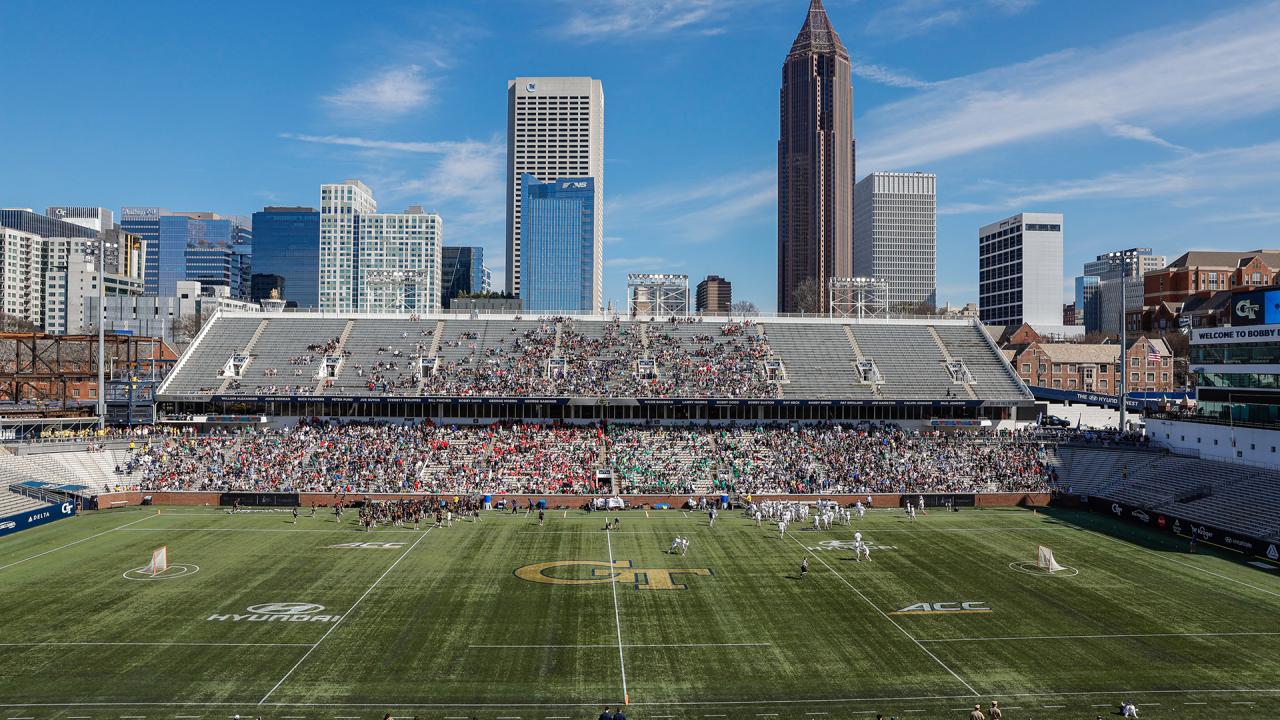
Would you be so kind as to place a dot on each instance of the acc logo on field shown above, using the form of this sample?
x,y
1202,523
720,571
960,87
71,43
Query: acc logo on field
x,y
924,608
286,608
560,572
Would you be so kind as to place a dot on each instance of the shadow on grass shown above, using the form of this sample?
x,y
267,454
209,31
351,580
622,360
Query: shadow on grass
x,y
1147,538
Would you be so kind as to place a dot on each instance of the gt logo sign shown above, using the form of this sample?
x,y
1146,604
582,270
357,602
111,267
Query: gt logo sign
x,y
571,572
279,612
937,608
370,545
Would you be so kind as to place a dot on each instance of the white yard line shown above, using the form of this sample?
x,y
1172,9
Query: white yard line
x,y
885,615
617,621
345,615
1099,637
291,530
77,542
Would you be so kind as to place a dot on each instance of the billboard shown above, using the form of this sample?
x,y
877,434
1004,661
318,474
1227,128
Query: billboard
x,y
1260,307
32,518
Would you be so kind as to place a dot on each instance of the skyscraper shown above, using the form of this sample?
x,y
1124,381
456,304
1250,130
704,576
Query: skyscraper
x,y
715,296
895,236
201,246
555,129
1020,271
462,271
286,242
1112,282
815,163
376,262
561,262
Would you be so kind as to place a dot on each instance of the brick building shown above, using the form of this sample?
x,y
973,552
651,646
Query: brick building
x,y
1093,367
1202,271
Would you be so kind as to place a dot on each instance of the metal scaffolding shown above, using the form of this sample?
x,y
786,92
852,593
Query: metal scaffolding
x,y
859,297
40,373
396,291
657,295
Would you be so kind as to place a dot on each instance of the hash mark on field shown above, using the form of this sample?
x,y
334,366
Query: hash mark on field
x,y
885,615
346,615
1235,702
817,713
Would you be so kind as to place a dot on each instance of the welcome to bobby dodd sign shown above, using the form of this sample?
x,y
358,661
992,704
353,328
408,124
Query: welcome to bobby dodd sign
x,y
32,518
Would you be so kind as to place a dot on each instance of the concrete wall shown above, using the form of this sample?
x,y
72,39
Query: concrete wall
x,y
1250,446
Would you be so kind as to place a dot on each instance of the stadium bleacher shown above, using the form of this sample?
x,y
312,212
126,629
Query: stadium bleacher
x,y
501,356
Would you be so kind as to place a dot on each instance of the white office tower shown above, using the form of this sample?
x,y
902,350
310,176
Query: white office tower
x,y
377,262
1020,271
555,129
94,218
895,236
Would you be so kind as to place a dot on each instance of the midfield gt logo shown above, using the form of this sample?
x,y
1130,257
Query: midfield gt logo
x,y
280,612
571,572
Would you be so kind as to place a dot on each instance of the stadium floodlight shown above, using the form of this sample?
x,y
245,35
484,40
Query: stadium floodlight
x,y
394,291
657,295
858,297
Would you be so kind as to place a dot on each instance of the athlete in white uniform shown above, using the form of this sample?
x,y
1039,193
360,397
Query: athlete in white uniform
x,y
782,528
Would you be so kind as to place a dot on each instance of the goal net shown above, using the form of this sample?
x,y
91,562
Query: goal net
x,y
1045,561
159,561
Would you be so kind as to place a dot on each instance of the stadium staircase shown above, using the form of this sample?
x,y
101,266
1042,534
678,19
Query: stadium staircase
x,y
248,355
859,357
990,371
321,381
946,354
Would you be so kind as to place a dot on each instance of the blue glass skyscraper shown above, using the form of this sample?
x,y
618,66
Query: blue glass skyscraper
x,y
557,247
191,246
286,242
461,271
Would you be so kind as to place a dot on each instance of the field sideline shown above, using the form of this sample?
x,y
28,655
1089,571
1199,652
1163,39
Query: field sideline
x,y
502,618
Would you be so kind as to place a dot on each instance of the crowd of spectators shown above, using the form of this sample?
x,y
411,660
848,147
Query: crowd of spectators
x,y
557,459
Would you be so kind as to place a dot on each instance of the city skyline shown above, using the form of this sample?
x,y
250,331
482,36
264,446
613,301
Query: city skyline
x,y
421,118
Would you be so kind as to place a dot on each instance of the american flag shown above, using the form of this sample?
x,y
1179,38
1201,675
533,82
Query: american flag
x,y
1153,355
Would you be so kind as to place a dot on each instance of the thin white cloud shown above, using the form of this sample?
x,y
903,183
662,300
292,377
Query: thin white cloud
x,y
888,76
387,94
1237,173
598,20
1220,69
711,209
1141,134
904,18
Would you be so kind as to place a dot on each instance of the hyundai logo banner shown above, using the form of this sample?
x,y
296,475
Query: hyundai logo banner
x,y
32,518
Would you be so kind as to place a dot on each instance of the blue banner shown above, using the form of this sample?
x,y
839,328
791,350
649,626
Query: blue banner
x,y
32,518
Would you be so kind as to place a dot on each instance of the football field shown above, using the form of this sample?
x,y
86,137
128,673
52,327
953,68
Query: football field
x,y
501,618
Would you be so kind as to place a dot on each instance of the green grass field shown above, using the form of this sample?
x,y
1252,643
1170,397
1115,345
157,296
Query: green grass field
x,y
442,624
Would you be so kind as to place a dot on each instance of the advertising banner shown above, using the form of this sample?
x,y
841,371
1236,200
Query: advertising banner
x,y
1208,534
32,518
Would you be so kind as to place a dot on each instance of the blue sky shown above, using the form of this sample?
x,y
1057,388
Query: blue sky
x,y
1146,123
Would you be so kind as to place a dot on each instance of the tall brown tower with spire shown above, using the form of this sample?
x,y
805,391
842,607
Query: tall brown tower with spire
x,y
815,165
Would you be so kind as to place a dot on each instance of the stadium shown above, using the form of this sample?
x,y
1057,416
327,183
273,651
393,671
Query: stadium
x,y
347,516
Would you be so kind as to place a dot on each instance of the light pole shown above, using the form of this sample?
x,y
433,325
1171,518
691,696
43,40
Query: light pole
x,y
1124,355
97,249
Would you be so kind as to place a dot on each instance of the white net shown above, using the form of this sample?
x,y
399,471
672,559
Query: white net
x,y
159,560
1045,561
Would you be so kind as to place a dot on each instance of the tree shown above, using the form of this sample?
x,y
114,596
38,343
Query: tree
x,y
187,327
14,323
807,297
745,308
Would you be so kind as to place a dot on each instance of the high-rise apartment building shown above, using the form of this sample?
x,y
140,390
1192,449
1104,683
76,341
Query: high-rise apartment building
x,y
42,225
560,272
896,236
21,276
286,242
815,163
1020,271
376,262
715,296
555,130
